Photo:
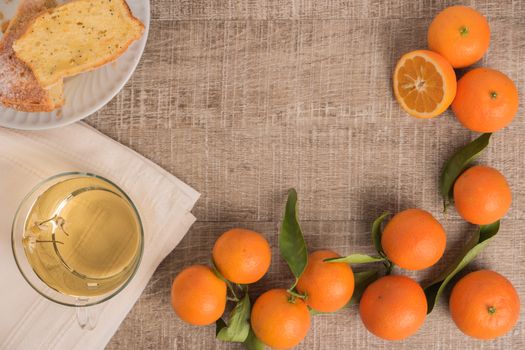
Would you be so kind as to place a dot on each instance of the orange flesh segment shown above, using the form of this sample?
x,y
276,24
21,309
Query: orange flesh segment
x,y
420,85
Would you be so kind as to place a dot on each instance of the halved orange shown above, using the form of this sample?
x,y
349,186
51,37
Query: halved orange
x,y
424,83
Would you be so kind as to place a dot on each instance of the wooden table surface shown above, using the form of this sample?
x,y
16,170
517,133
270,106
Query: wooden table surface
x,y
245,99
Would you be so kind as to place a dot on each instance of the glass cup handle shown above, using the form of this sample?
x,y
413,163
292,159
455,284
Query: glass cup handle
x,y
87,316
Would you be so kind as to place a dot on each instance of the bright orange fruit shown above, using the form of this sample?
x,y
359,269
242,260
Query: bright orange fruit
x,y
484,305
393,307
460,34
424,83
242,256
198,296
279,320
328,286
486,100
414,239
482,195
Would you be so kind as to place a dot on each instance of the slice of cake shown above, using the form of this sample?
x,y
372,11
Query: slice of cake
x,y
19,88
78,36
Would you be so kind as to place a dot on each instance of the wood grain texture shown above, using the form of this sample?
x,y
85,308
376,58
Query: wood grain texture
x,y
244,99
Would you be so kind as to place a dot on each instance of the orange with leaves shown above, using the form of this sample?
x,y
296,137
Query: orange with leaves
x,y
279,319
328,286
242,256
198,296
414,239
482,195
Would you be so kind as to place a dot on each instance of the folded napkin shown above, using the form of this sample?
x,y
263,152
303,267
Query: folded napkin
x,y
28,320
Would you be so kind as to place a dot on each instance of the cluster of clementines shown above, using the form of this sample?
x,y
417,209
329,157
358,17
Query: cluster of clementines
x,y
483,100
483,304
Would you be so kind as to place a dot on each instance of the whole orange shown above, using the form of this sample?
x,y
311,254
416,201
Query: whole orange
x,y
482,195
242,256
414,239
460,34
486,100
328,286
484,305
280,320
393,307
198,296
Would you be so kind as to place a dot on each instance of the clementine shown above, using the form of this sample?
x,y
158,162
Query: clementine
x,y
280,320
460,34
482,195
393,307
484,305
486,100
328,286
424,83
242,256
414,239
198,296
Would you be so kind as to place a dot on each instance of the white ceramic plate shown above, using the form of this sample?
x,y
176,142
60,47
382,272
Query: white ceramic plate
x,y
85,93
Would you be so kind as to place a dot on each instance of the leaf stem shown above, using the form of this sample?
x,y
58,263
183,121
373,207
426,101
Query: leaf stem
x,y
389,266
230,287
297,295
294,284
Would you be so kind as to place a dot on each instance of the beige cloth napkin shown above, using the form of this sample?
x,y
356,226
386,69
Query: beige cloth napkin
x,y
29,321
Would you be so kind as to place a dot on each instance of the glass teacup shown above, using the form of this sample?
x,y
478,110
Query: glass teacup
x,y
77,239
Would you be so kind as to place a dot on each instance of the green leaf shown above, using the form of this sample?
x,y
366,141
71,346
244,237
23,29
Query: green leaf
x,y
219,324
291,241
488,231
356,259
376,233
252,342
376,239
238,328
362,280
458,163
474,246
